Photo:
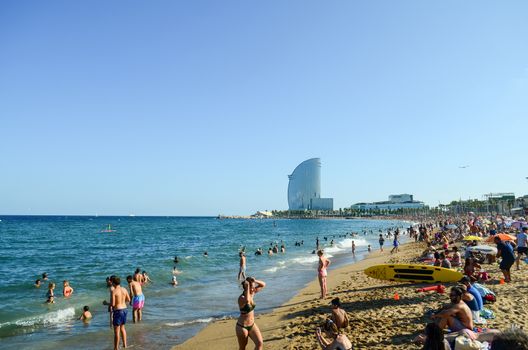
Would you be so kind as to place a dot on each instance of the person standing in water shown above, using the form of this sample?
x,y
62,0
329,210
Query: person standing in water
x,y
120,299
353,248
138,299
246,327
322,272
67,290
381,241
242,269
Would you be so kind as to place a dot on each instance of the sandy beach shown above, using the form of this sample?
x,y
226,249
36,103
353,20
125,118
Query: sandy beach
x,y
377,321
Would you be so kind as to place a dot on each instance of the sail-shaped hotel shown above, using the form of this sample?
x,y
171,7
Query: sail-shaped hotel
x,y
304,188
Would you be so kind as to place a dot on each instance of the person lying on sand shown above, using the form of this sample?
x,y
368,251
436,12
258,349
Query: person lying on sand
x,y
339,340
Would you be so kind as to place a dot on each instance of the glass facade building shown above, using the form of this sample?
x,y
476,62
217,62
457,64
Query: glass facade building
x,y
304,187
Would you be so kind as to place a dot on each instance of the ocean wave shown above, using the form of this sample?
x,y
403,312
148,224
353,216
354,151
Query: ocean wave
x,y
275,268
51,318
184,323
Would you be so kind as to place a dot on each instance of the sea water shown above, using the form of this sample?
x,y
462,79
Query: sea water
x,y
75,249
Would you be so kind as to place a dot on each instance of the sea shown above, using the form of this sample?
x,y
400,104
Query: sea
x,y
76,248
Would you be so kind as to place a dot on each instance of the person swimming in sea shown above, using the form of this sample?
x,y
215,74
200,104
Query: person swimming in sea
x,y
86,315
245,326
174,281
37,283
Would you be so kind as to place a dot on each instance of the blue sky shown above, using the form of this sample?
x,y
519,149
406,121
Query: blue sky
x,y
205,107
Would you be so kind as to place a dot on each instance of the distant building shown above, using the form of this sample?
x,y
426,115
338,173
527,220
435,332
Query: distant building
x,y
304,187
395,202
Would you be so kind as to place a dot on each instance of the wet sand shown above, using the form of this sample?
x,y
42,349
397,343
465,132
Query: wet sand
x,y
377,321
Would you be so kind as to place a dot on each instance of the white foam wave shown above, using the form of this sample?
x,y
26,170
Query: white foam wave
x,y
55,317
306,260
275,268
183,323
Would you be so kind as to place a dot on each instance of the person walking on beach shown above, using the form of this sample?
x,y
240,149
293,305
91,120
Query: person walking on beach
x,y
505,251
395,244
242,269
322,272
246,327
381,242
522,245
120,299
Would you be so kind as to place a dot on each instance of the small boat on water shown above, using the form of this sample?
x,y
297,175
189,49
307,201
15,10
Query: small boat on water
x,y
108,229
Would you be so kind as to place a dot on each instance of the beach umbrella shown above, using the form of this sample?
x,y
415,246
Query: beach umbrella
x,y
472,238
502,236
451,226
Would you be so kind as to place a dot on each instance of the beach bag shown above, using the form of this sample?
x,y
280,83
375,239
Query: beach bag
x,y
462,342
487,295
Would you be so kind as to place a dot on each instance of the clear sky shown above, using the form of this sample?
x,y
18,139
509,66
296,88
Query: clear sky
x,y
204,107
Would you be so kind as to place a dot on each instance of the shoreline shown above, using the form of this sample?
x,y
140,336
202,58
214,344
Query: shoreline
x,y
278,326
377,320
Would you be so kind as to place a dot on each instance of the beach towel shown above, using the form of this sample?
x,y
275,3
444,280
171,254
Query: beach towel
x,y
463,342
487,313
487,295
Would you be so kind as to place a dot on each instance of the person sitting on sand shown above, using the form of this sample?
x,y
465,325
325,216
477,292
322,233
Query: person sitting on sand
x,y
428,253
438,260
470,269
433,339
456,260
246,327
456,315
339,316
86,315
339,340
446,264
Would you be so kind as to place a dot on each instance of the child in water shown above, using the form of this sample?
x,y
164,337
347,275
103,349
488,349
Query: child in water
x,y
50,294
66,289
369,249
86,315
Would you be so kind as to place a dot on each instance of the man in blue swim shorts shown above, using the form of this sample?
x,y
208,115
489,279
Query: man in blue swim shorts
x,y
120,298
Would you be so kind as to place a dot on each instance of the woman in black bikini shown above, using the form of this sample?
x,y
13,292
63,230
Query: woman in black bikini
x,y
245,326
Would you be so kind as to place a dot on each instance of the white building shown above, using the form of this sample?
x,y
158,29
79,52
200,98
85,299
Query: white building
x,y
395,202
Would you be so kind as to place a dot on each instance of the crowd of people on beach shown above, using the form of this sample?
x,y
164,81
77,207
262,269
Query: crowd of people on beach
x,y
451,243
